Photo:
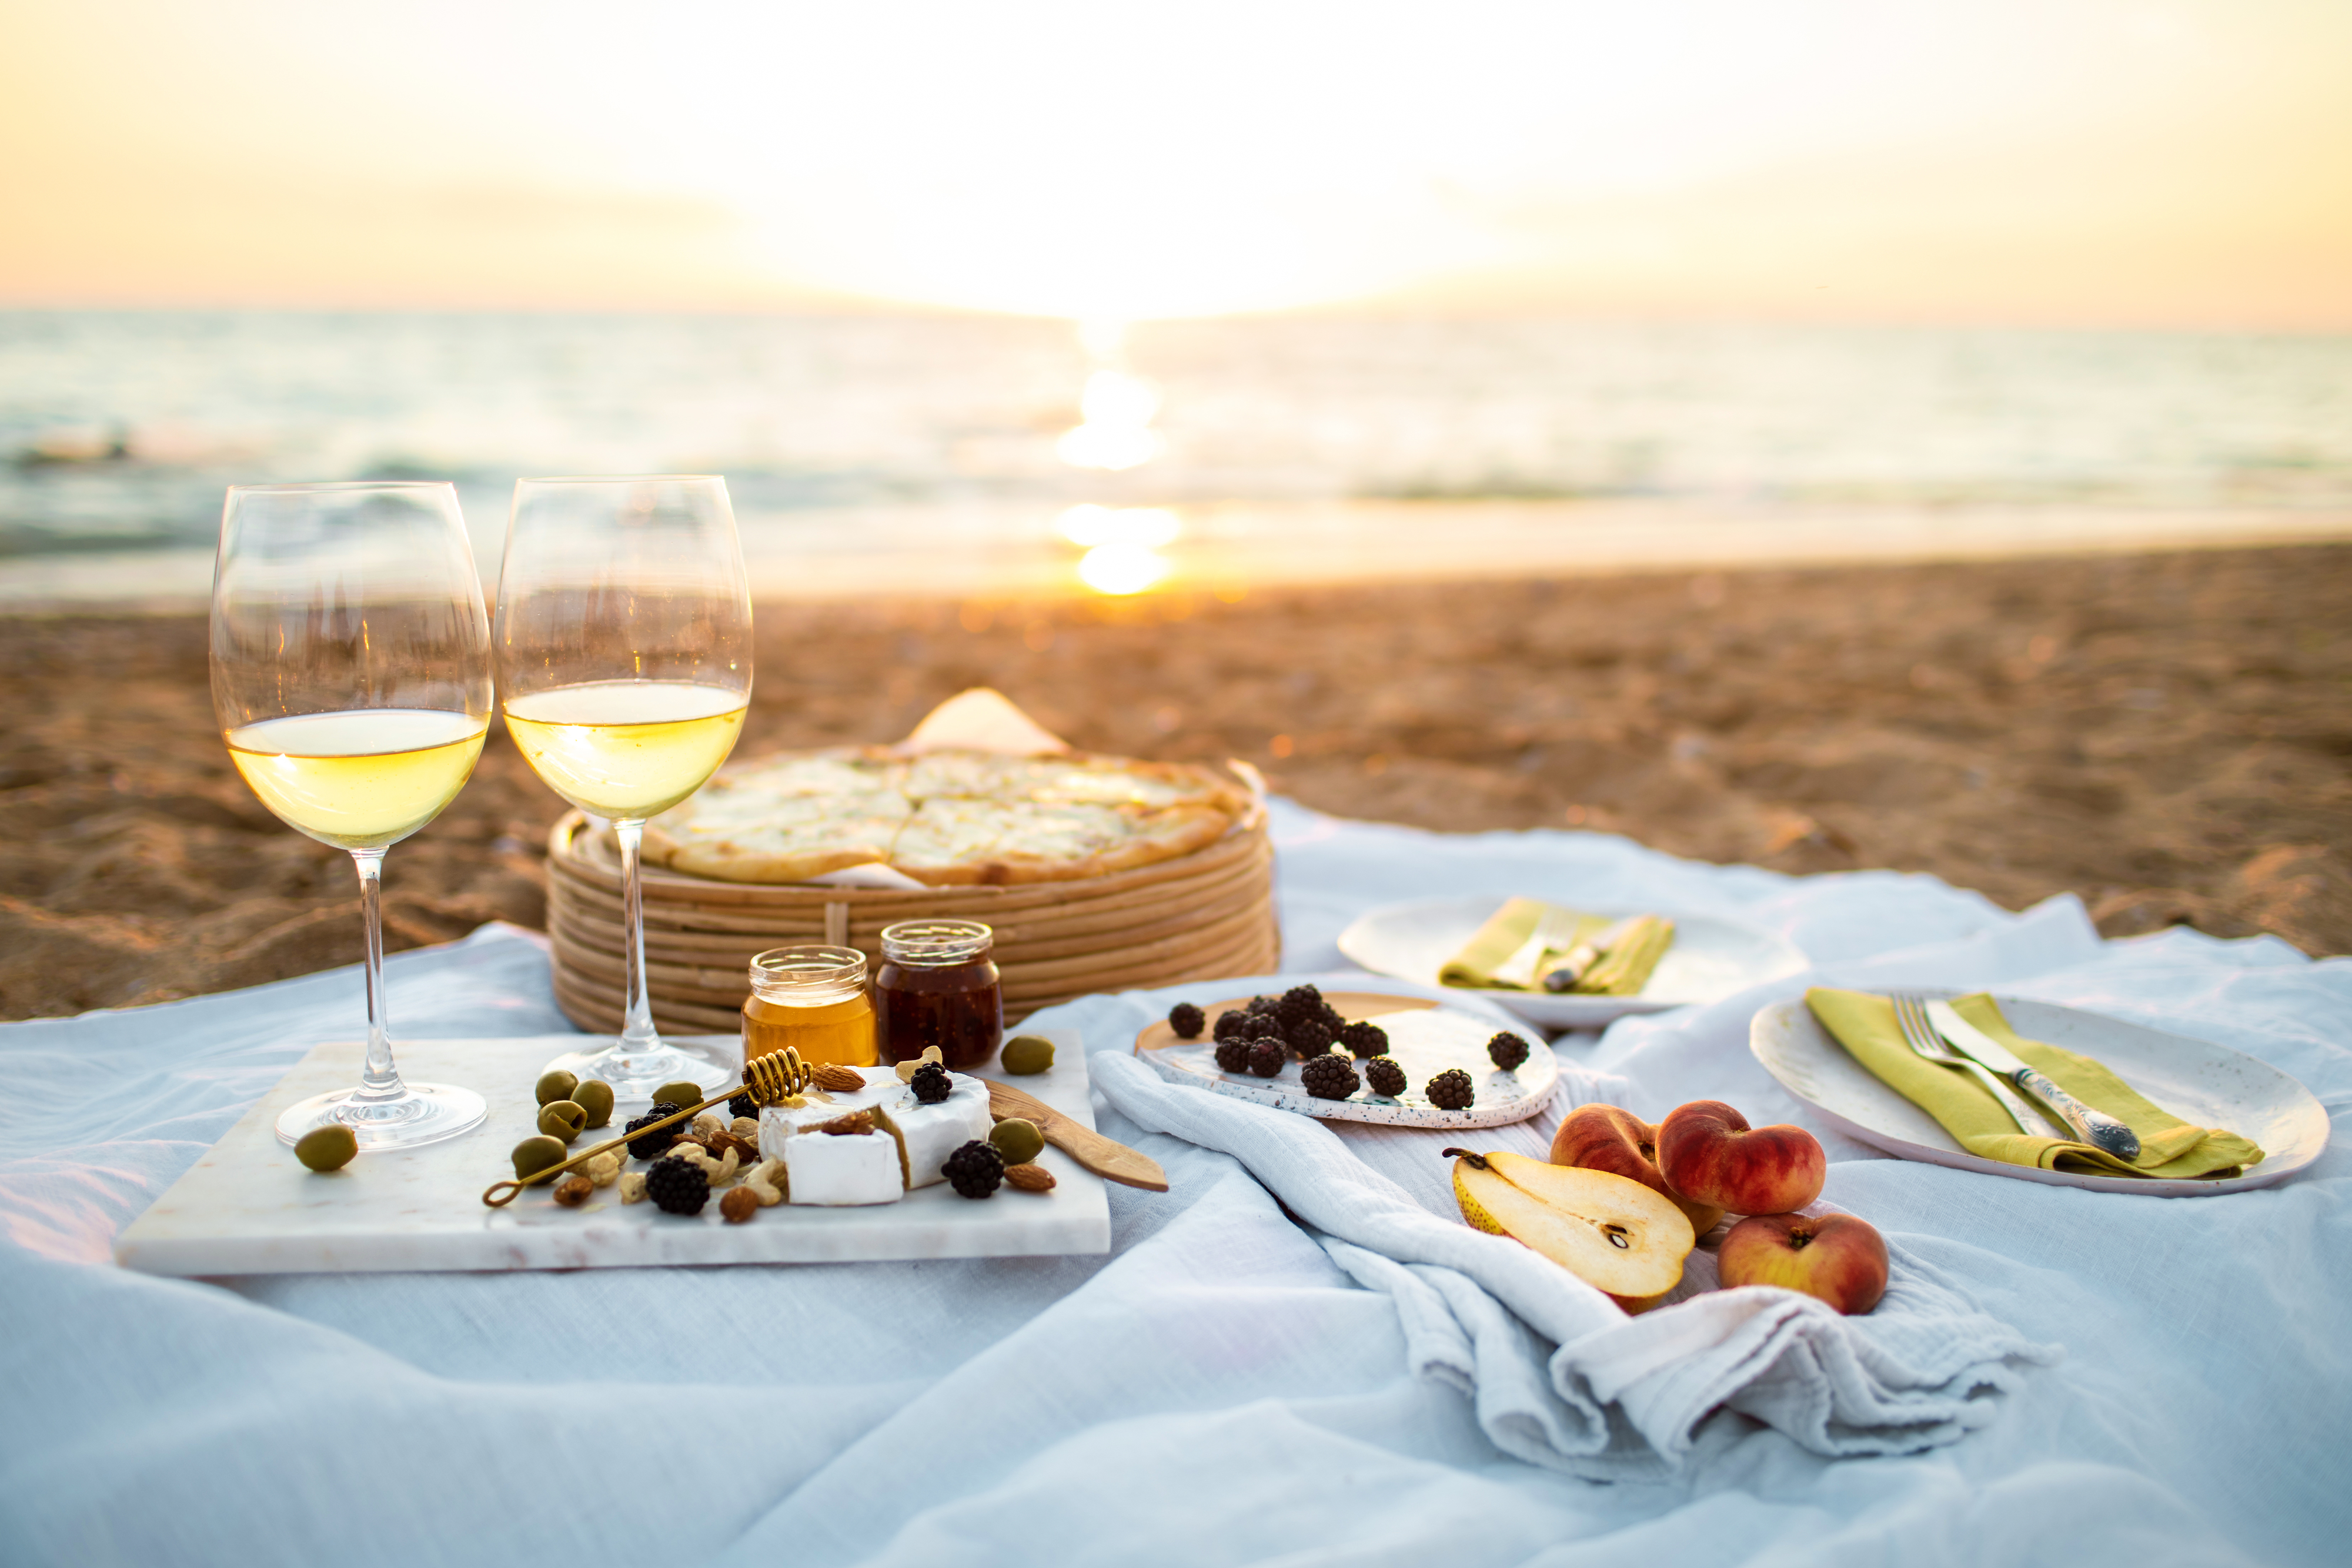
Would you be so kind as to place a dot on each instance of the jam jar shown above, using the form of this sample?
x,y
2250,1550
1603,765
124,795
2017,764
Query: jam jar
x,y
937,985
812,1000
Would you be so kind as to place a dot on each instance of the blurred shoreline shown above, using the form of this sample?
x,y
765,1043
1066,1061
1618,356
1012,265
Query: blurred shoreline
x,y
1222,550
993,456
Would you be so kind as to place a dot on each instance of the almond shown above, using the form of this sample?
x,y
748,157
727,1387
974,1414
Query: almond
x,y
1029,1177
739,1206
849,1126
834,1076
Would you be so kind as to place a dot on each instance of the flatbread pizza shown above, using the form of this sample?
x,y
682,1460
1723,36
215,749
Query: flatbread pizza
x,y
947,818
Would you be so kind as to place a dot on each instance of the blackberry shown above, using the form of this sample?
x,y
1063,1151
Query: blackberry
x,y
1386,1077
1507,1050
1233,1055
1230,1024
1266,1057
1364,1037
678,1187
1330,1078
1262,1005
975,1169
1186,1020
1452,1089
932,1083
1308,1037
743,1106
653,1146
1264,1026
1297,1003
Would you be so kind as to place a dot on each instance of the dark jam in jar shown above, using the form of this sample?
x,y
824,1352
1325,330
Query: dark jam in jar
x,y
937,985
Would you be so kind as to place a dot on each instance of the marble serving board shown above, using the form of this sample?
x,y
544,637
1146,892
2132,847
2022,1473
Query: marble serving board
x,y
248,1206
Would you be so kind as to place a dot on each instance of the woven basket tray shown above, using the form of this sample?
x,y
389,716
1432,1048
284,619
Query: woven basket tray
x,y
1208,915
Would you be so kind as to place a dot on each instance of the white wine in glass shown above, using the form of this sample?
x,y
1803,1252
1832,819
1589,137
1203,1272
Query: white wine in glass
x,y
624,643
350,665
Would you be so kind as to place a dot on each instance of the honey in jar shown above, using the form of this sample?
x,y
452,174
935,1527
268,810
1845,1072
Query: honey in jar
x,y
812,1000
938,986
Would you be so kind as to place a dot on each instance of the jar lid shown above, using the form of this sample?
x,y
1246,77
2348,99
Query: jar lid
x,y
807,973
932,943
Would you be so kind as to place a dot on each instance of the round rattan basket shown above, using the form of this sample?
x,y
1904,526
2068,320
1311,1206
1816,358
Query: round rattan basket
x,y
1207,915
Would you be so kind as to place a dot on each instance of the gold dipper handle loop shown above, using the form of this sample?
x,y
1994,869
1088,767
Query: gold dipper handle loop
x,y
768,1079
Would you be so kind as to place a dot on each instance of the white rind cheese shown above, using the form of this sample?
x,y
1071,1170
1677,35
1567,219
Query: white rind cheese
x,y
928,1135
827,1171
778,1123
919,1137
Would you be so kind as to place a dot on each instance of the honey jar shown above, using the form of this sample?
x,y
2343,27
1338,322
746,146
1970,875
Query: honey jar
x,y
814,1000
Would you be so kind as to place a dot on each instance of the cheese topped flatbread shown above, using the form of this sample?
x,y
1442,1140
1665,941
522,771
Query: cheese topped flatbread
x,y
947,817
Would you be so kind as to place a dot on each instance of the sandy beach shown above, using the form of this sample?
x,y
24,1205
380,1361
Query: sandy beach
x,y
2168,736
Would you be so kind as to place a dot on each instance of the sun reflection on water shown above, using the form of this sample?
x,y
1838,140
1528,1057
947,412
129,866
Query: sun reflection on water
x,y
1121,568
1122,545
1089,526
1116,412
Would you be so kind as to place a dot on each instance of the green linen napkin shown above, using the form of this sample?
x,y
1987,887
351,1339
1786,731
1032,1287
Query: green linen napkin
x,y
1622,972
2169,1147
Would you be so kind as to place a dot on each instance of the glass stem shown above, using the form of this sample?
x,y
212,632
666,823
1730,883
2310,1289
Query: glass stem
x,y
637,1021
382,1078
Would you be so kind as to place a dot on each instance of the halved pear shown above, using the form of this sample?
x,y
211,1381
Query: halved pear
x,y
1615,1235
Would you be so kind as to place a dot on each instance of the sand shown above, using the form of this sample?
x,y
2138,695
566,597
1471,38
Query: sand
x,y
2168,736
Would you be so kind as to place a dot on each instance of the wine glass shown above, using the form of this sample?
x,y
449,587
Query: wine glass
x,y
351,664
623,640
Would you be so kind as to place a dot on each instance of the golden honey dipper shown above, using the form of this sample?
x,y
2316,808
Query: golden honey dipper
x,y
768,1080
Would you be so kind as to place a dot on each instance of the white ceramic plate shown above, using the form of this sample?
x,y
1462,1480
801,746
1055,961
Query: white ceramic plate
x,y
2195,1080
1424,1038
1710,959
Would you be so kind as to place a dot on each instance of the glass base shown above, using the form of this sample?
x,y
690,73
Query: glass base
x,y
422,1113
715,1064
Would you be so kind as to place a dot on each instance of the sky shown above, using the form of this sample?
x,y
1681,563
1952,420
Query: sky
x,y
2173,162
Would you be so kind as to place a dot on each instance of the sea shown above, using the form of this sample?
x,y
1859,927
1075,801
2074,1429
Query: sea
x,y
872,453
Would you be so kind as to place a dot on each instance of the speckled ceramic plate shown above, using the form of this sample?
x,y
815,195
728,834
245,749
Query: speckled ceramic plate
x,y
2195,1080
1710,959
1424,1038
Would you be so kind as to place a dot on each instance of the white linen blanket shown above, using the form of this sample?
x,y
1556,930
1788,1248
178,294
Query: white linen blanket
x,y
1221,1388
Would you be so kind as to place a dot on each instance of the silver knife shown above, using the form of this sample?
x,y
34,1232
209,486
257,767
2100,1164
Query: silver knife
x,y
2095,1128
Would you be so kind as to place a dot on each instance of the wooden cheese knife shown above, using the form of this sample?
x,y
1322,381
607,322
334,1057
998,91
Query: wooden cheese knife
x,y
1111,1161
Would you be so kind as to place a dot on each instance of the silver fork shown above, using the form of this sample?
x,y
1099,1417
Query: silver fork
x,y
1911,1016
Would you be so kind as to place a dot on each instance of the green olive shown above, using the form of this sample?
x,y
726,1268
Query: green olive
x,y
556,1086
595,1097
1025,1054
562,1119
681,1094
533,1155
1018,1141
327,1148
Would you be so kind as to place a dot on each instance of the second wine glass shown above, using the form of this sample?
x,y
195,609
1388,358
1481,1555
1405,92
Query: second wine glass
x,y
624,643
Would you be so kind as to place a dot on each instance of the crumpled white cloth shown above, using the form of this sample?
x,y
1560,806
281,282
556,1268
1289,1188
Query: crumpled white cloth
x,y
1560,1375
